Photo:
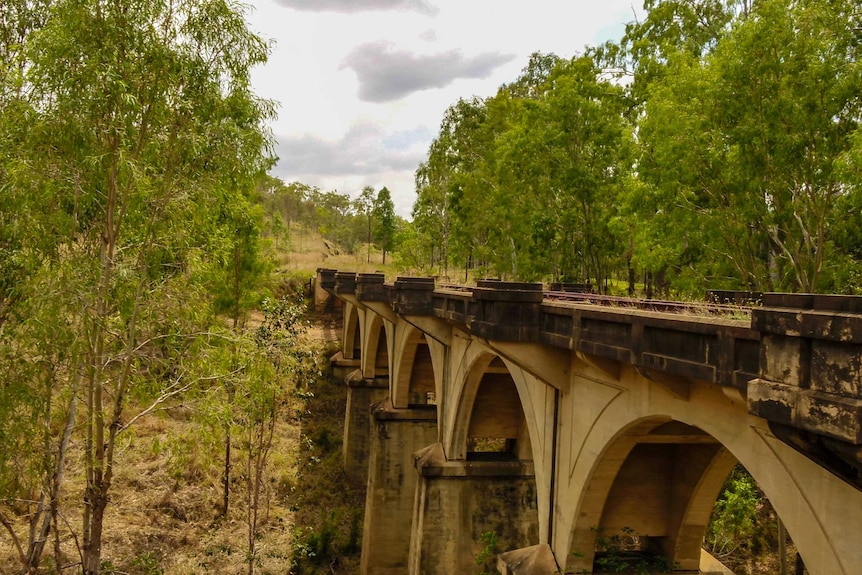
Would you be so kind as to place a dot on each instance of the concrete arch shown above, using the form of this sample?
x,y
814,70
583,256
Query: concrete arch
x,y
376,351
352,336
463,398
498,491
474,368
625,412
413,381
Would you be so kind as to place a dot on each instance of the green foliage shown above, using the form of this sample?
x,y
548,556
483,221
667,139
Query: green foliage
x,y
148,564
523,184
728,158
384,221
131,144
318,545
489,549
624,553
741,524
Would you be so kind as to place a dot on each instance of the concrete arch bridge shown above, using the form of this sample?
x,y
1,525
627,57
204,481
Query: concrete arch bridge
x,y
552,419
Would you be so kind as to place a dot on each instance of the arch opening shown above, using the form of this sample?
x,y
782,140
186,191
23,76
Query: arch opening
x,y
353,335
497,428
381,357
667,496
421,390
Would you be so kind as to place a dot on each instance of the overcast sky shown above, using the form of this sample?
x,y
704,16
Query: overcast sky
x,y
362,85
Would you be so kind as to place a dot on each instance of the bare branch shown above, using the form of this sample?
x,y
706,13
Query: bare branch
x,y
14,536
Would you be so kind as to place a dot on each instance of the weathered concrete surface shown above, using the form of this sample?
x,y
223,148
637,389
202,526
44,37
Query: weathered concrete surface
x,y
358,422
709,565
629,415
458,501
533,560
392,480
606,420
342,367
324,301
810,382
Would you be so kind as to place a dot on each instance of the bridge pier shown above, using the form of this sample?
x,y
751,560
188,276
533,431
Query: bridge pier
x,y
342,367
361,395
459,501
396,435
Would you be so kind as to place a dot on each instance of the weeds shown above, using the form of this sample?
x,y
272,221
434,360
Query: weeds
x,y
489,539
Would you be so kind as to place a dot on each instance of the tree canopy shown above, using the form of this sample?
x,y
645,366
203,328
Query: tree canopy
x,y
714,146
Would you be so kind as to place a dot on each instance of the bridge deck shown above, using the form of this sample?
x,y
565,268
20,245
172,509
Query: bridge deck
x,y
796,359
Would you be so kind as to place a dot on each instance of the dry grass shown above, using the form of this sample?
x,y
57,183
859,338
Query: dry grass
x,y
310,251
163,518
164,514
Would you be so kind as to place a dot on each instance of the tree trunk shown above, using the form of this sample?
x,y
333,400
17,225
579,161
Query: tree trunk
x,y
226,476
38,540
97,500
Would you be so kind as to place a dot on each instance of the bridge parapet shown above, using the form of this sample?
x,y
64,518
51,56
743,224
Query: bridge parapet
x,y
414,296
345,283
810,382
453,304
710,349
507,311
372,287
326,278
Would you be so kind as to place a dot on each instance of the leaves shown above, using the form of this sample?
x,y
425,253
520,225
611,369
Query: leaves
x,y
716,146
132,144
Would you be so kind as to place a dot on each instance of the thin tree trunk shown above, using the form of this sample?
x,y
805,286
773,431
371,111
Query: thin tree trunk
x,y
38,541
226,475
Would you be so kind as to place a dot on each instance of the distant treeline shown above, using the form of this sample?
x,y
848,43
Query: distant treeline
x,y
349,222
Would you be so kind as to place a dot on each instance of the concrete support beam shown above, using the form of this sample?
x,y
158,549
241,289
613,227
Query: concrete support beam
x,y
550,364
392,480
433,327
342,367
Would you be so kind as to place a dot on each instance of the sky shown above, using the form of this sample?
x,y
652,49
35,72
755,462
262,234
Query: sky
x,y
362,85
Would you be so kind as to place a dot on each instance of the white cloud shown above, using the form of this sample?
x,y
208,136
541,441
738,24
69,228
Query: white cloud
x,y
386,73
359,5
363,84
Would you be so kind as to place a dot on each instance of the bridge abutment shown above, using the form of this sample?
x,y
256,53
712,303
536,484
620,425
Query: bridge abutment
x,y
392,479
460,504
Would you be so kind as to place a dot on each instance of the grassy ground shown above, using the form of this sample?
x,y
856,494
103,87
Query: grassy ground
x,y
164,515
309,251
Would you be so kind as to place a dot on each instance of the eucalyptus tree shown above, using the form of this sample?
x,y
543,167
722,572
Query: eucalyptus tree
x,y
671,27
452,187
141,125
238,285
743,143
364,206
566,159
384,218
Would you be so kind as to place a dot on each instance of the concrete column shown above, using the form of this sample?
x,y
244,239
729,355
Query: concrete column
x,y
396,435
361,395
459,501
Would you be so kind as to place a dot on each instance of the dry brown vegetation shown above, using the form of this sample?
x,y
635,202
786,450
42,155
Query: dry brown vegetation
x,y
163,518
310,251
164,514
